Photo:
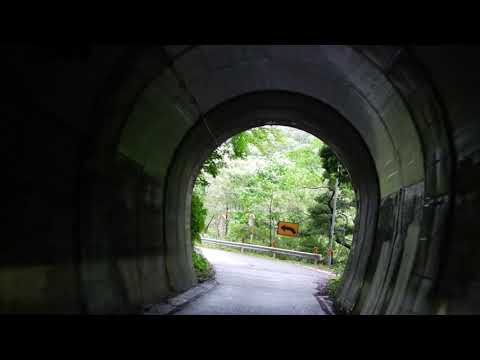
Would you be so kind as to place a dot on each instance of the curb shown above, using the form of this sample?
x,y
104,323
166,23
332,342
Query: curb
x,y
325,304
178,302
324,300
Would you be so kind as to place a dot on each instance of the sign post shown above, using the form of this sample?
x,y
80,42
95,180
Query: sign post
x,y
251,225
315,251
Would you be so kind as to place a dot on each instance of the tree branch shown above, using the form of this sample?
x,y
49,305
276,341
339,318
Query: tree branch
x,y
206,227
344,216
343,243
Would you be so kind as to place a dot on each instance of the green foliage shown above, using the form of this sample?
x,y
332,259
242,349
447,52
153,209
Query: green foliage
x,y
333,167
213,165
203,268
320,221
276,173
321,212
332,286
239,147
199,213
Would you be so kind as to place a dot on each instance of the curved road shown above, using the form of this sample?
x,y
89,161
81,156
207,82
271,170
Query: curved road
x,y
250,285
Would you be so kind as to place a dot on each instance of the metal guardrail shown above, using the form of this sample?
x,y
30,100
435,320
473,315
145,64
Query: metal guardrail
x,y
273,250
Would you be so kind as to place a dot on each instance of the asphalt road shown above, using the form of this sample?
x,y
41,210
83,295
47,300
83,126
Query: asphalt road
x,y
250,285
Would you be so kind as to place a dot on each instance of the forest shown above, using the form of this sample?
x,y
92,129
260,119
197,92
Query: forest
x,y
270,174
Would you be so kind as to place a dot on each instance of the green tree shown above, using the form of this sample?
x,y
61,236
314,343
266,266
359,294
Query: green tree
x,y
333,167
321,212
271,185
238,147
199,213
279,174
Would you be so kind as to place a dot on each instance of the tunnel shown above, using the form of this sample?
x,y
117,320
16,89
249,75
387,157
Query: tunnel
x,y
103,144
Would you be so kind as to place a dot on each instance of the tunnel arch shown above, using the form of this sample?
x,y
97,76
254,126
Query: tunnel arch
x,y
165,92
275,108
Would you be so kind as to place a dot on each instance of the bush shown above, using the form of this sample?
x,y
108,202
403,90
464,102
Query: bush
x,y
332,286
203,268
199,213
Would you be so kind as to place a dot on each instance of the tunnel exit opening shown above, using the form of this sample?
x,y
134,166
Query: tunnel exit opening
x,y
275,187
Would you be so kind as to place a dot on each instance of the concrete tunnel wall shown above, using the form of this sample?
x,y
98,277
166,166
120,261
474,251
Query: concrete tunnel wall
x,y
119,118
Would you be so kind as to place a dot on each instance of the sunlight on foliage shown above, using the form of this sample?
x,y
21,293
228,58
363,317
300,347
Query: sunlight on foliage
x,y
271,174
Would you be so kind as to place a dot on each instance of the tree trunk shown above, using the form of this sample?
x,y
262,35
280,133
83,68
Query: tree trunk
x,y
332,224
270,217
226,221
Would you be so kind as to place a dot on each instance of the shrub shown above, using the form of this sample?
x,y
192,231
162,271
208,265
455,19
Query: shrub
x,y
332,286
199,213
203,268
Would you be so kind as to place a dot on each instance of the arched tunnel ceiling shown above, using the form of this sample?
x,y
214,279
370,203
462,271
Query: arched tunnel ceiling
x,y
160,119
205,76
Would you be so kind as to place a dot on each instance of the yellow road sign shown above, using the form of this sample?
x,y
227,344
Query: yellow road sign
x,y
287,229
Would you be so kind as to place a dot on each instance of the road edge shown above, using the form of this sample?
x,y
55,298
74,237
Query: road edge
x,y
178,302
326,303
